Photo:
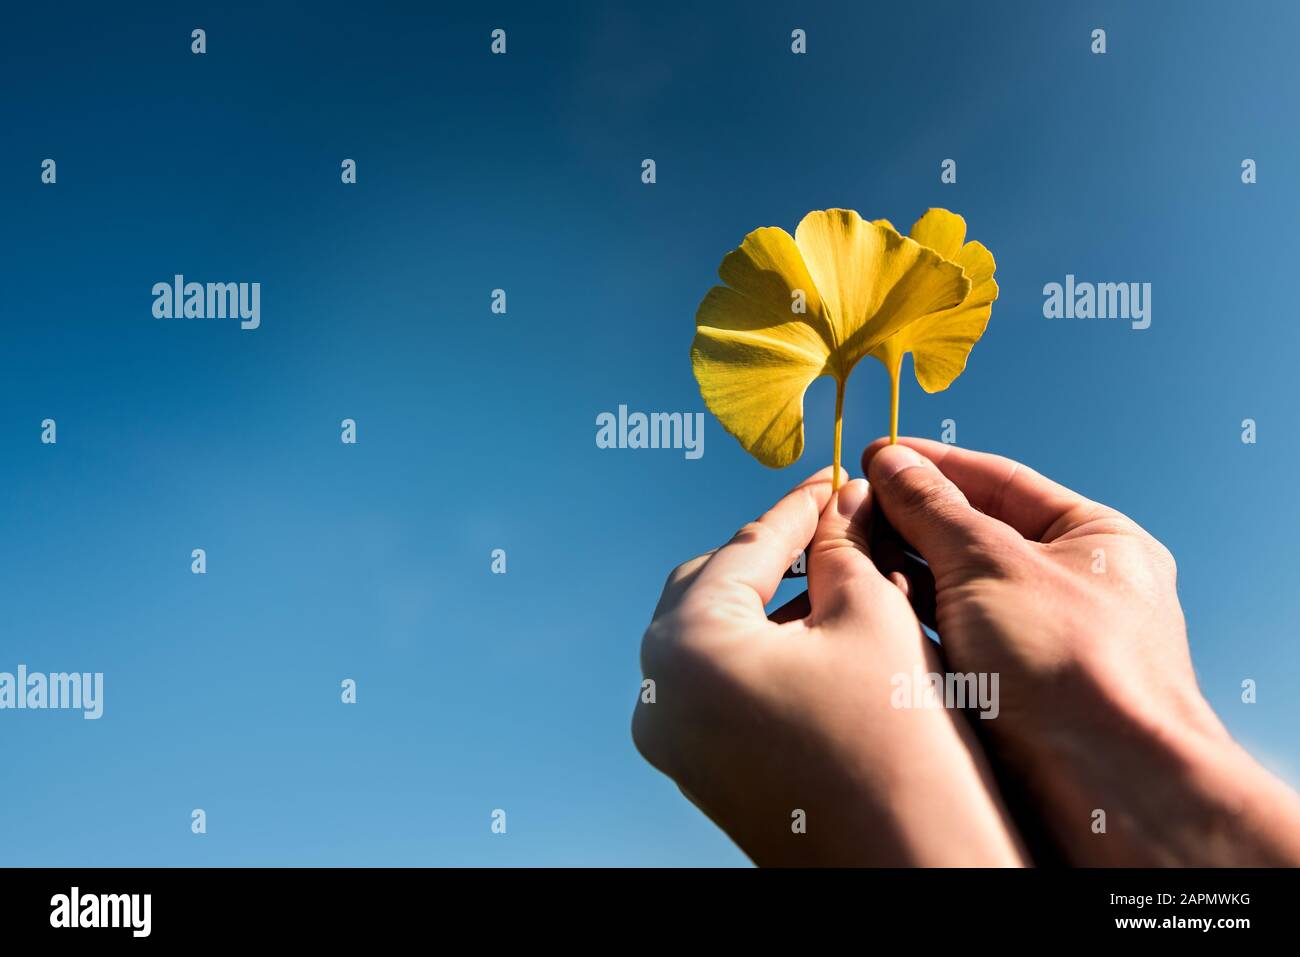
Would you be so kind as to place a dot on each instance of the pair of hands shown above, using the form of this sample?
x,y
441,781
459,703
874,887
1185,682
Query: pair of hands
x,y
789,731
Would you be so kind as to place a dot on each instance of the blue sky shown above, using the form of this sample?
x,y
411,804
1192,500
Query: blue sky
x,y
476,431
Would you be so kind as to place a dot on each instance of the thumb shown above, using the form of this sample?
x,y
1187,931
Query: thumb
x,y
931,513
842,579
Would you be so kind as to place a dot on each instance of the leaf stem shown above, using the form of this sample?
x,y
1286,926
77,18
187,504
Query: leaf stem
x,y
839,427
894,375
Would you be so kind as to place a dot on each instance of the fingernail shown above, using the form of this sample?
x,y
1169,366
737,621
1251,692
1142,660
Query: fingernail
x,y
892,459
851,496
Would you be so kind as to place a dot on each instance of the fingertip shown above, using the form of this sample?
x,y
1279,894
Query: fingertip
x,y
850,497
870,452
874,449
892,459
901,582
841,576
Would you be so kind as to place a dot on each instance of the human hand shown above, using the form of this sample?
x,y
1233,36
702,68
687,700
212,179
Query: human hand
x,y
1075,607
758,719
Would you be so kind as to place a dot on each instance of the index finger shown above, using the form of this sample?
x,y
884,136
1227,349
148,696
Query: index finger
x,y
758,555
999,487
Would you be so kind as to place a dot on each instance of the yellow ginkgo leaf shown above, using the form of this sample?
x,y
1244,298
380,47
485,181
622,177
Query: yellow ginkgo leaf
x,y
941,342
798,307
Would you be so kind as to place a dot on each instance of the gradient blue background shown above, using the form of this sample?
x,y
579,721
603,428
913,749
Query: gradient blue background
x,y
476,431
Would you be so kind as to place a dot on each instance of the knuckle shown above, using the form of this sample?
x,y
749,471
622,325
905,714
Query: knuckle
x,y
1163,557
658,646
1104,520
708,615
683,571
698,681
752,533
1117,525
679,641
676,575
648,738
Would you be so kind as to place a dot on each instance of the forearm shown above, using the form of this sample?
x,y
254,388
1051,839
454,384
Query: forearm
x,y
1164,793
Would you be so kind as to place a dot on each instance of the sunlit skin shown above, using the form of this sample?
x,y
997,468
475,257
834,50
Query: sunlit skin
x,y
1076,607
757,717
